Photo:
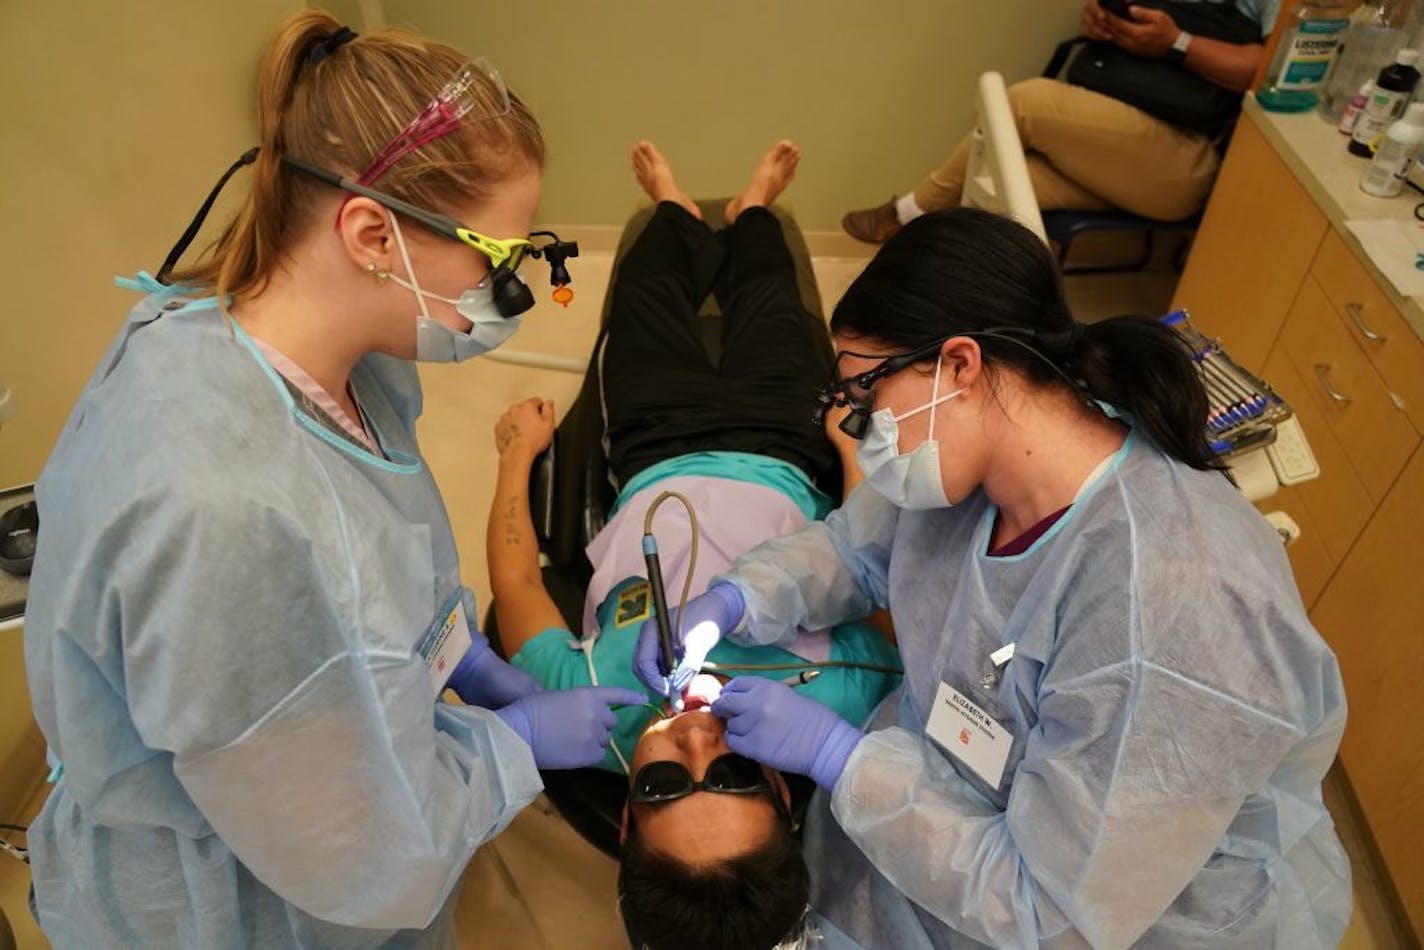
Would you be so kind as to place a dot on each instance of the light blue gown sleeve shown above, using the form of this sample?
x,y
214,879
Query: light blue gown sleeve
x,y
1130,778
827,573
313,747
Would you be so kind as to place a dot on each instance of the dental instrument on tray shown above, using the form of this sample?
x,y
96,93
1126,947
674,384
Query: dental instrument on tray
x,y
1243,409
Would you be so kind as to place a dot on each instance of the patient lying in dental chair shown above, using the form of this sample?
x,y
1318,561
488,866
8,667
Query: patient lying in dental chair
x,y
708,854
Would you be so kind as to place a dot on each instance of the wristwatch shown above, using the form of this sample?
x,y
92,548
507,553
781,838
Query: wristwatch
x,y
1178,52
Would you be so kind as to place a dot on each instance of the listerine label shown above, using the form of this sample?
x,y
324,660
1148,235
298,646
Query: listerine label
x,y
1312,49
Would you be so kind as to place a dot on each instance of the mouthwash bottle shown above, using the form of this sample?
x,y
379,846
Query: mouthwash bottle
x,y
1304,56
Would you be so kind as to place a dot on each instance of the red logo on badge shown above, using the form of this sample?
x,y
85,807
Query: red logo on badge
x,y
440,667
964,737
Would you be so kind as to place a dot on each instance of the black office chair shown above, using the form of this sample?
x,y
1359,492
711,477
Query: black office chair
x,y
571,494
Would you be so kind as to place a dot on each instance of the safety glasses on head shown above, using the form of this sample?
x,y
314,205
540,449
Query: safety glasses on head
x,y
477,93
729,774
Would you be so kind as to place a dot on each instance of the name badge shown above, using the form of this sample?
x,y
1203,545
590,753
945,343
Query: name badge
x,y
969,734
446,641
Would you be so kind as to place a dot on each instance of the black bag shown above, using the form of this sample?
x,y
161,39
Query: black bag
x,y
1159,87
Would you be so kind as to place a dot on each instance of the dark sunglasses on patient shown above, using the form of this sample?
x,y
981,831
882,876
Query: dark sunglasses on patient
x,y
709,851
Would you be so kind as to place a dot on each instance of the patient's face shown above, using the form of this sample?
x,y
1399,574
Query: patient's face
x,y
704,827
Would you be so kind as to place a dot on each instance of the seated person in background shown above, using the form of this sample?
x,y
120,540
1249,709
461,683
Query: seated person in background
x,y
709,858
1089,152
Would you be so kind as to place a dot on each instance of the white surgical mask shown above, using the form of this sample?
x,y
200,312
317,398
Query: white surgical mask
x,y
909,480
437,343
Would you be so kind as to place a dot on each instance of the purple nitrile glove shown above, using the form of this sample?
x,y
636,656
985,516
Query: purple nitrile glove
x,y
718,610
568,729
771,723
482,679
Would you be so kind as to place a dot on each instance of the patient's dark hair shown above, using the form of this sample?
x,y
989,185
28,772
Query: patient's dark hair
x,y
751,902
965,271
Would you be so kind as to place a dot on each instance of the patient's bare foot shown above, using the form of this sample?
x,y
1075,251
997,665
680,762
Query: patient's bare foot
x,y
773,173
654,174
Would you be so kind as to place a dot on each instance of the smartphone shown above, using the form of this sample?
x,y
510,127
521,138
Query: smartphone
x,y
1117,8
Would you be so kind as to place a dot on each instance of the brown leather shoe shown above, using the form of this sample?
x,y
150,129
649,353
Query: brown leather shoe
x,y
873,225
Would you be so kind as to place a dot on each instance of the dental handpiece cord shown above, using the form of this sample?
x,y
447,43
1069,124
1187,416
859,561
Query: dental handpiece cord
x,y
655,576
805,665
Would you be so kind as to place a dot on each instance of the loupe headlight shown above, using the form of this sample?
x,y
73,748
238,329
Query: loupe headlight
x,y
555,253
857,421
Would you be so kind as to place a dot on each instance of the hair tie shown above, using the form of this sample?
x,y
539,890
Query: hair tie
x,y
331,44
1065,343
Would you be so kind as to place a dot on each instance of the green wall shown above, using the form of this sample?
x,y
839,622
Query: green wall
x,y
875,93
119,118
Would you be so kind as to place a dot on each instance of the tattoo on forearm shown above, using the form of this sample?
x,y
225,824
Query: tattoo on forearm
x,y
510,519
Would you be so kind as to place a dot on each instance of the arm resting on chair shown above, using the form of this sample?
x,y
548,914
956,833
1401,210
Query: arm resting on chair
x,y
522,606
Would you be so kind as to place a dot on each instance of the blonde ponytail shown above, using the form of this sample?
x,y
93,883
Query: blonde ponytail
x,y
338,110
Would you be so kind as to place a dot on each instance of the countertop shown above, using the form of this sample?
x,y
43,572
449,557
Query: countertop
x,y
1315,152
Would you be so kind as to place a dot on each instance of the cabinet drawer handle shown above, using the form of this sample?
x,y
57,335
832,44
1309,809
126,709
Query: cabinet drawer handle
x,y
1322,373
1354,310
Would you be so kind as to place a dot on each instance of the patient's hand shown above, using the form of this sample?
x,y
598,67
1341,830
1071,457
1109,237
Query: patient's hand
x,y
525,429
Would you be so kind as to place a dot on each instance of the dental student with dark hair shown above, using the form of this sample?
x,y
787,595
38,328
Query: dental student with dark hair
x,y
1116,715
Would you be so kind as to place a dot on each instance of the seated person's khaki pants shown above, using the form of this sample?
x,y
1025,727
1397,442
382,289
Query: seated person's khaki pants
x,y
1089,152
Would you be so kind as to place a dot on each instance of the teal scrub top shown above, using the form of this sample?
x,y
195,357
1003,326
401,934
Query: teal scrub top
x,y
558,661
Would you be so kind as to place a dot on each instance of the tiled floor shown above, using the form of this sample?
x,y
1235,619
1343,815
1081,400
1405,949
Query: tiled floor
x,y
539,885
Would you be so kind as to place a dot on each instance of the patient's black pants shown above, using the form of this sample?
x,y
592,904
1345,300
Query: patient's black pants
x,y
663,395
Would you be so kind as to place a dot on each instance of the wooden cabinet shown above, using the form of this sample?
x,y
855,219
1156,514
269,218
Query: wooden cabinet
x,y
1387,341
1347,393
1289,297
1331,510
1373,614
1256,242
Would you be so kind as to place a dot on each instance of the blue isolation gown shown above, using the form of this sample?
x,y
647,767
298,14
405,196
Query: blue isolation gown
x,y
1170,707
220,642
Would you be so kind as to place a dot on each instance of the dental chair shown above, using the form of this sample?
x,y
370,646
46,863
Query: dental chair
x,y
570,495
1265,447
996,178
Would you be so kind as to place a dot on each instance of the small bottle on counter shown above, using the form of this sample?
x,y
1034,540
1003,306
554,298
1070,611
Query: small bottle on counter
x,y
1353,107
1392,91
1385,176
1377,31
